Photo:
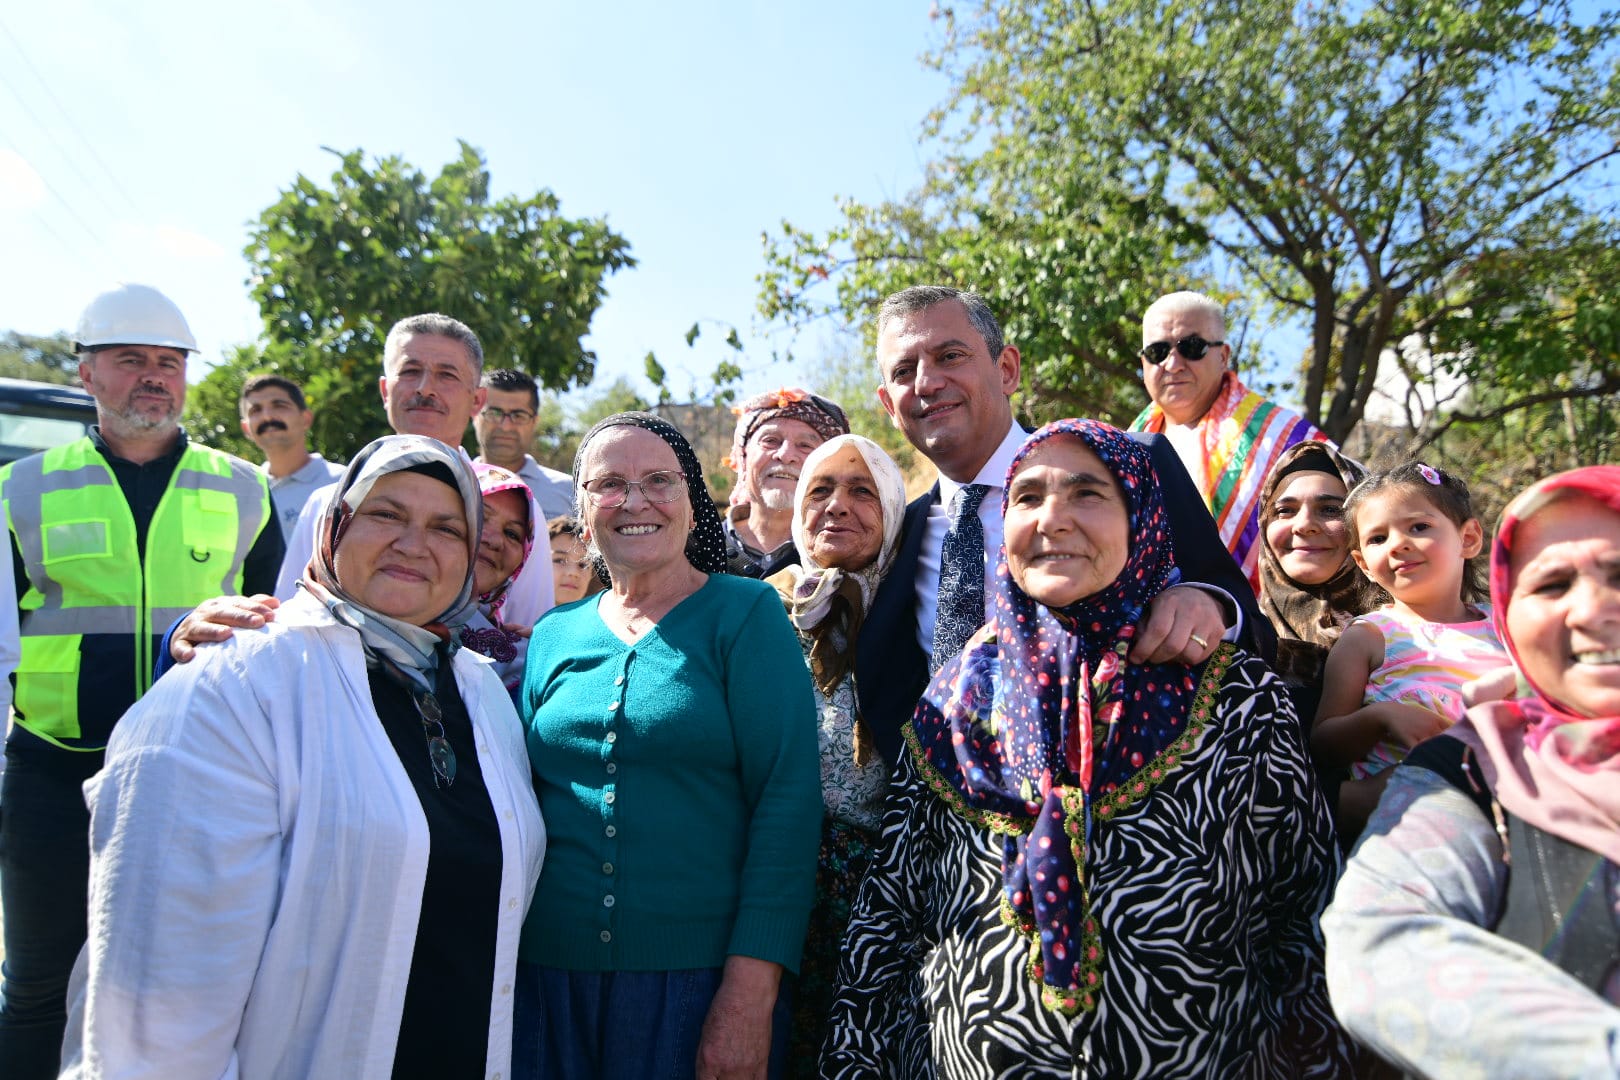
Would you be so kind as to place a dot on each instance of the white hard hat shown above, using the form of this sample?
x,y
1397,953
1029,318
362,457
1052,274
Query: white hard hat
x,y
132,315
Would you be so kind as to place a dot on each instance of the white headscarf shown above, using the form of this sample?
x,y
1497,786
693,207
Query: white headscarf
x,y
815,585
404,649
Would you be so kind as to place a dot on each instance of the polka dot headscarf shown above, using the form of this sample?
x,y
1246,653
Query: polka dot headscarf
x,y
1042,717
706,547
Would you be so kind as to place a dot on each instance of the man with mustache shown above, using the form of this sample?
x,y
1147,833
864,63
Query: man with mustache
x,y
775,433
276,420
947,377
429,386
112,536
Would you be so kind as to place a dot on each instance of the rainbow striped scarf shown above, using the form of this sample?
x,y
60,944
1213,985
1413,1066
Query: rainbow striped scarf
x,y
1242,436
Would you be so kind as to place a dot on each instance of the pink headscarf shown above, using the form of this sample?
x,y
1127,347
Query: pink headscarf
x,y
1549,765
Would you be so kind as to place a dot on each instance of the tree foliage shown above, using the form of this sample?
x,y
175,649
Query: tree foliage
x,y
334,265
40,359
1365,171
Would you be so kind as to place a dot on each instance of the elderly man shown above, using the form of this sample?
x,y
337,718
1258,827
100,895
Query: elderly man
x,y
775,433
505,429
947,380
276,420
1226,435
111,537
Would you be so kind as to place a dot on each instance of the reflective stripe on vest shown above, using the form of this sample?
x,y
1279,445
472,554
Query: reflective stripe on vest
x,y
77,538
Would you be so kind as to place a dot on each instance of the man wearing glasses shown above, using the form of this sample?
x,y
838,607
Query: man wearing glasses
x,y
1227,435
505,429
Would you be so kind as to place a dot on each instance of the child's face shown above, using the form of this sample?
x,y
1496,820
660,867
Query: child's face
x,y
570,569
1412,549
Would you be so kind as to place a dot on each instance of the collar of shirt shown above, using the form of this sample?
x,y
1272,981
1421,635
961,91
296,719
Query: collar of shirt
x,y
993,475
169,456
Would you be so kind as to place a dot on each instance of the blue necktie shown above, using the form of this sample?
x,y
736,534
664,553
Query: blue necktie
x,y
960,609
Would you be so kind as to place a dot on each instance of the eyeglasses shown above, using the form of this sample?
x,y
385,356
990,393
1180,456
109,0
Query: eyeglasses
x,y
441,756
1191,347
501,416
658,487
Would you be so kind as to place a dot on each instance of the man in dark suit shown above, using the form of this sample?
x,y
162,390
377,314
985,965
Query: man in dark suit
x,y
947,376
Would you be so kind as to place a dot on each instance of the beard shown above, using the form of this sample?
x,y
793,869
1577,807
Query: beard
x,y
133,420
775,498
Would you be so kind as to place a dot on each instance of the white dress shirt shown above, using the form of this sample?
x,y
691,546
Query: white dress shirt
x,y
993,476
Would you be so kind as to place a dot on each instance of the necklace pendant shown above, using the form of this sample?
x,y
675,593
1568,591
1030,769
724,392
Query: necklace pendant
x,y
443,758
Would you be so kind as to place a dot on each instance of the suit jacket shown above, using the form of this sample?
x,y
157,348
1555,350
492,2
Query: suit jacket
x,y
891,670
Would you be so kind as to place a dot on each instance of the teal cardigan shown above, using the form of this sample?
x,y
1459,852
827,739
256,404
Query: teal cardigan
x,y
680,785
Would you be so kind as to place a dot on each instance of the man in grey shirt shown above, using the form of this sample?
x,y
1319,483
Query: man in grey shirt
x,y
276,420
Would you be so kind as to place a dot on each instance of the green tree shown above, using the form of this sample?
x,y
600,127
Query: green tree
x,y
1348,166
334,265
41,359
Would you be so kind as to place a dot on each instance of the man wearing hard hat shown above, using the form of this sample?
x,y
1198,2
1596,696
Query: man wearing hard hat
x,y
113,537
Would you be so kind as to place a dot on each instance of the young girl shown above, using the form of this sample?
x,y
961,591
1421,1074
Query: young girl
x,y
1394,678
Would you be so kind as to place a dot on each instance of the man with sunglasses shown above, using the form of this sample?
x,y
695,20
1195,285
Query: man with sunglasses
x,y
505,428
1227,435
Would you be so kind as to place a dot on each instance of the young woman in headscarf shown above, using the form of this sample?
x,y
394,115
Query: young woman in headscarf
x,y
312,847
511,515
847,512
1310,587
1089,866
671,728
1475,931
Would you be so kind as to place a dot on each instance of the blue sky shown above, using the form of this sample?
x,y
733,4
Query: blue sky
x,y
137,140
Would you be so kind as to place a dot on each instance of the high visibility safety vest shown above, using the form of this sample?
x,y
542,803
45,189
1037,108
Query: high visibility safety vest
x,y
77,536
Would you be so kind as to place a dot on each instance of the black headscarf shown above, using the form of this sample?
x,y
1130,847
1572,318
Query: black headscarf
x,y
706,547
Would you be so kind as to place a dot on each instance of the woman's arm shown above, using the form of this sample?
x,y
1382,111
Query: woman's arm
x,y
1413,970
779,776
185,845
736,1041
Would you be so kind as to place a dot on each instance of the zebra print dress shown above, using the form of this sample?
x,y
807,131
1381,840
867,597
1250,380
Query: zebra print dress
x,y
1207,893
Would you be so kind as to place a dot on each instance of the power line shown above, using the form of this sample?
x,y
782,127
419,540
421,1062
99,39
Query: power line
x,y
68,120
57,195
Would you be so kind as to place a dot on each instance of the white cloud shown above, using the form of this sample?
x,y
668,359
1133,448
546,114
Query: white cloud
x,y
20,186
185,244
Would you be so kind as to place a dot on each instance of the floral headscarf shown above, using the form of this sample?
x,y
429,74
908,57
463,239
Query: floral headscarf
x,y
408,652
495,642
1042,728
706,547
829,604
1548,764
788,403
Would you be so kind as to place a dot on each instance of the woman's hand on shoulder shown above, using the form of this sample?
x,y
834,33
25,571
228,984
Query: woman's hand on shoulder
x,y
736,1040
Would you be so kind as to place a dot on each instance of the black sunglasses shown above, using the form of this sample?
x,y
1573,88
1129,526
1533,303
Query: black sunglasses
x,y
1191,347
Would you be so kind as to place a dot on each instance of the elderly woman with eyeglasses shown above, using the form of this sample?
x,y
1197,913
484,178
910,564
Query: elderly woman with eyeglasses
x,y
672,731
312,847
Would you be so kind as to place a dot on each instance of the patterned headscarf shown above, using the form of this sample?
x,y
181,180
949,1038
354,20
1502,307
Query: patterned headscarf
x,y
788,403
495,642
829,604
1043,729
706,547
1314,613
407,652
1550,765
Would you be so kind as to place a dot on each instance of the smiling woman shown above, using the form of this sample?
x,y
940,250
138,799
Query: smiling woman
x,y
671,731
397,899
1494,853
1060,838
